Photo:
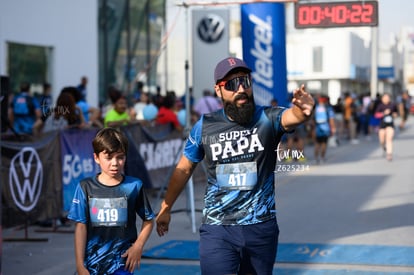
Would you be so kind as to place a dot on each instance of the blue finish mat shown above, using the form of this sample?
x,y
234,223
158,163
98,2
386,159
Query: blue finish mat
x,y
160,269
304,253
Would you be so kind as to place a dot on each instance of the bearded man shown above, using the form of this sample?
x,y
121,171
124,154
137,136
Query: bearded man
x,y
239,231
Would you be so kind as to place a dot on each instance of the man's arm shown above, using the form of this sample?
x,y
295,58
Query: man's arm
x,y
301,110
179,178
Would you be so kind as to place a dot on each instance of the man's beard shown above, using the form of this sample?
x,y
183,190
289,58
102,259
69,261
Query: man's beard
x,y
243,114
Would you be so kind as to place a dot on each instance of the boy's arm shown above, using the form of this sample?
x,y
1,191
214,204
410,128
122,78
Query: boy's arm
x,y
80,245
134,253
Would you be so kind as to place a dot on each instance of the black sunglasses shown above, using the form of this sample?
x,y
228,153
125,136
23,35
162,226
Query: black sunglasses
x,y
234,83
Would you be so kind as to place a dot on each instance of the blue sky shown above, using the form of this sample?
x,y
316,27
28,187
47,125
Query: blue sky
x,y
393,14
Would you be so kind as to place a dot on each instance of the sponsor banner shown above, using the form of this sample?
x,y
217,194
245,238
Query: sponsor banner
x,y
41,175
77,160
264,50
210,37
31,180
152,153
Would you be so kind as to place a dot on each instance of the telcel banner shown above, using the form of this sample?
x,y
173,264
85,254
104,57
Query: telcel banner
x,y
264,50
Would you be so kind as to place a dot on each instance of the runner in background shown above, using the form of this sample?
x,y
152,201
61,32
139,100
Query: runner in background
x,y
324,119
387,112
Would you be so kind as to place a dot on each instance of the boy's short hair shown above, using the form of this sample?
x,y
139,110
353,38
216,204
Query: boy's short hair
x,y
110,140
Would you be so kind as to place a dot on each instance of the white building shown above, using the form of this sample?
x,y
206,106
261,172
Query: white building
x,y
329,61
406,46
65,30
332,61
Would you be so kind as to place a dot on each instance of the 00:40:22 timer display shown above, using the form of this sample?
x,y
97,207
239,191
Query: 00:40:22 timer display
x,y
336,14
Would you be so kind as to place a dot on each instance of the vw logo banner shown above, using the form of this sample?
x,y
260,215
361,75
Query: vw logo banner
x,y
28,169
264,50
39,176
210,44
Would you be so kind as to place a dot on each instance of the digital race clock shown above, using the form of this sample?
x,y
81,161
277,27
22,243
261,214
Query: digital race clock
x,y
336,14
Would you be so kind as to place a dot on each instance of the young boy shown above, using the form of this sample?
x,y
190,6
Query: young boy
x,y
104,208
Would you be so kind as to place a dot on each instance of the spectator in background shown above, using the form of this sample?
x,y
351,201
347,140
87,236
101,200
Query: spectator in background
x,y
108,105
404,106
166,114
66,114
46,101
339,118
24,113
91,114
374,121
139,90
184,98
119,115
178,105
364,115
158,99
139,106
207,103
82,87
349,118
347,114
